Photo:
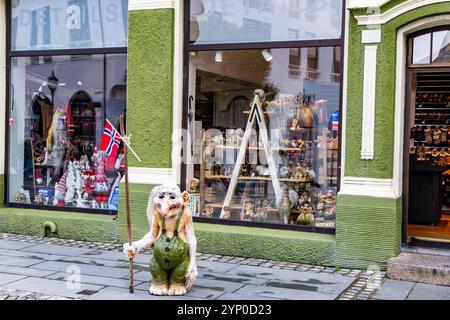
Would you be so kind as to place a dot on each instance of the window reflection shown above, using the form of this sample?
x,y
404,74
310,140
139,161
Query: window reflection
x,y
441,46
421,49
228,21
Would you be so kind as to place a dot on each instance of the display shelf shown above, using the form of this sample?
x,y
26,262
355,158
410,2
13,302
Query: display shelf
x,y
244,178
260,148
264,112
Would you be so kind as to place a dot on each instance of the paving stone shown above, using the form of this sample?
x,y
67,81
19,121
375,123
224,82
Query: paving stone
x,y
14,245
330,283
243,297
102,281
49,287
272,292
423,291
24,254
18,261
84,269
116,256
215,266
91,261
111,293
231,278
143,276
204,293
7,278
21,271
55,249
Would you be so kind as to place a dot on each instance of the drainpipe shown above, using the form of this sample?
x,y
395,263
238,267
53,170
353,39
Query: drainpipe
x,y
49,229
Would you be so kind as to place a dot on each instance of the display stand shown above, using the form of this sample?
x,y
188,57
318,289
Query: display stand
x,y
256,114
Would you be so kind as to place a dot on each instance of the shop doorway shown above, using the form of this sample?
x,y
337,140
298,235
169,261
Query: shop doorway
x,y
426,183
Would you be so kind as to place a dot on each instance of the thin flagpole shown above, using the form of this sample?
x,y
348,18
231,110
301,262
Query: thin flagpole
x,y
125,141
127,201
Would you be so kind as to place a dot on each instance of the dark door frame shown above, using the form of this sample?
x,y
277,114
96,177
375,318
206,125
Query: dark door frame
x,y
410,90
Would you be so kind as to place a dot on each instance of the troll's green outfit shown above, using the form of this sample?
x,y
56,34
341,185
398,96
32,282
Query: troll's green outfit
x,y
170,260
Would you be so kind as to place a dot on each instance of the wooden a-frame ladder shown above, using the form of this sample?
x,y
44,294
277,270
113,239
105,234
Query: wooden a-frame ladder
x,y
256,114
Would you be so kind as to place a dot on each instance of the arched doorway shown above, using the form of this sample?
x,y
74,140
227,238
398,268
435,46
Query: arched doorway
x,y
426,164
82,130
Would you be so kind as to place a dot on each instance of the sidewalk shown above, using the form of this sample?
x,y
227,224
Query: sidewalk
x,y
36,269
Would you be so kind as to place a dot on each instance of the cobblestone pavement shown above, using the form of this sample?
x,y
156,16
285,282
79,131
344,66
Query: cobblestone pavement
x,y
40,269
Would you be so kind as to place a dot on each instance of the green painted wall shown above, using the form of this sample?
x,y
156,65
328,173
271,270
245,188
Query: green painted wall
x,y
294,246
71,225
150,86
382,165
368,231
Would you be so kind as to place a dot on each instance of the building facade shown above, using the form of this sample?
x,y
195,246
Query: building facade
x,y
323,168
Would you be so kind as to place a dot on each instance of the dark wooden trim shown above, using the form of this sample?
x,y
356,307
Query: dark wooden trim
x,y
7,99
188,47
279,226
68,52
61,209
341,96
406,134
265,45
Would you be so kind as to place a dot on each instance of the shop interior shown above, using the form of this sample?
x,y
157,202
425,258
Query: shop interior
x,y
429,153
57,118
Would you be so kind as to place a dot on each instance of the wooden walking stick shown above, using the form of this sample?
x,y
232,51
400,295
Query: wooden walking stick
x,y
127,199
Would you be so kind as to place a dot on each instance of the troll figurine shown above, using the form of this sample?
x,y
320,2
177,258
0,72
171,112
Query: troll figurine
x,y
173,265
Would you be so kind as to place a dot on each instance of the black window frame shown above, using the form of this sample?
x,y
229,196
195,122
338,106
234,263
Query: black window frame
x,y
189,47
38,53
410,43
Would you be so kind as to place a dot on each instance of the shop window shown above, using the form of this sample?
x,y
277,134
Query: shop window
x,y
58,108
431,47
302,117
57,24
441,46
218,21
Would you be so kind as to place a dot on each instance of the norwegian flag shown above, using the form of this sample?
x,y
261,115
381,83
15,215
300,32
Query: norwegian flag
x,y
110,140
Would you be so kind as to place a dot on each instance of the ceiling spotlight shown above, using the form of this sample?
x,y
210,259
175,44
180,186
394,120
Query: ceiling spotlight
x,y
267,55
218,56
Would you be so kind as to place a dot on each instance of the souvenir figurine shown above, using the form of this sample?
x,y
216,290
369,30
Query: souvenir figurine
x,y
195,183
284,173
329,202
218,169
306,214
70,185
247,212
208,212
227,213
172,236
284,207
260,215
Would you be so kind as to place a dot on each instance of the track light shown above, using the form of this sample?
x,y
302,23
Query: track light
x,y
218,56
267,55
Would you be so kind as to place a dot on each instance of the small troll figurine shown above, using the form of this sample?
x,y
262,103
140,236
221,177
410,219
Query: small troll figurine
x,y
173,265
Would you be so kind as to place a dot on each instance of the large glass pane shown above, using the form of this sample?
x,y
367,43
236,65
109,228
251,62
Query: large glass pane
x,y
441,46
58,112
62,24
301,113
421,49
228,21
